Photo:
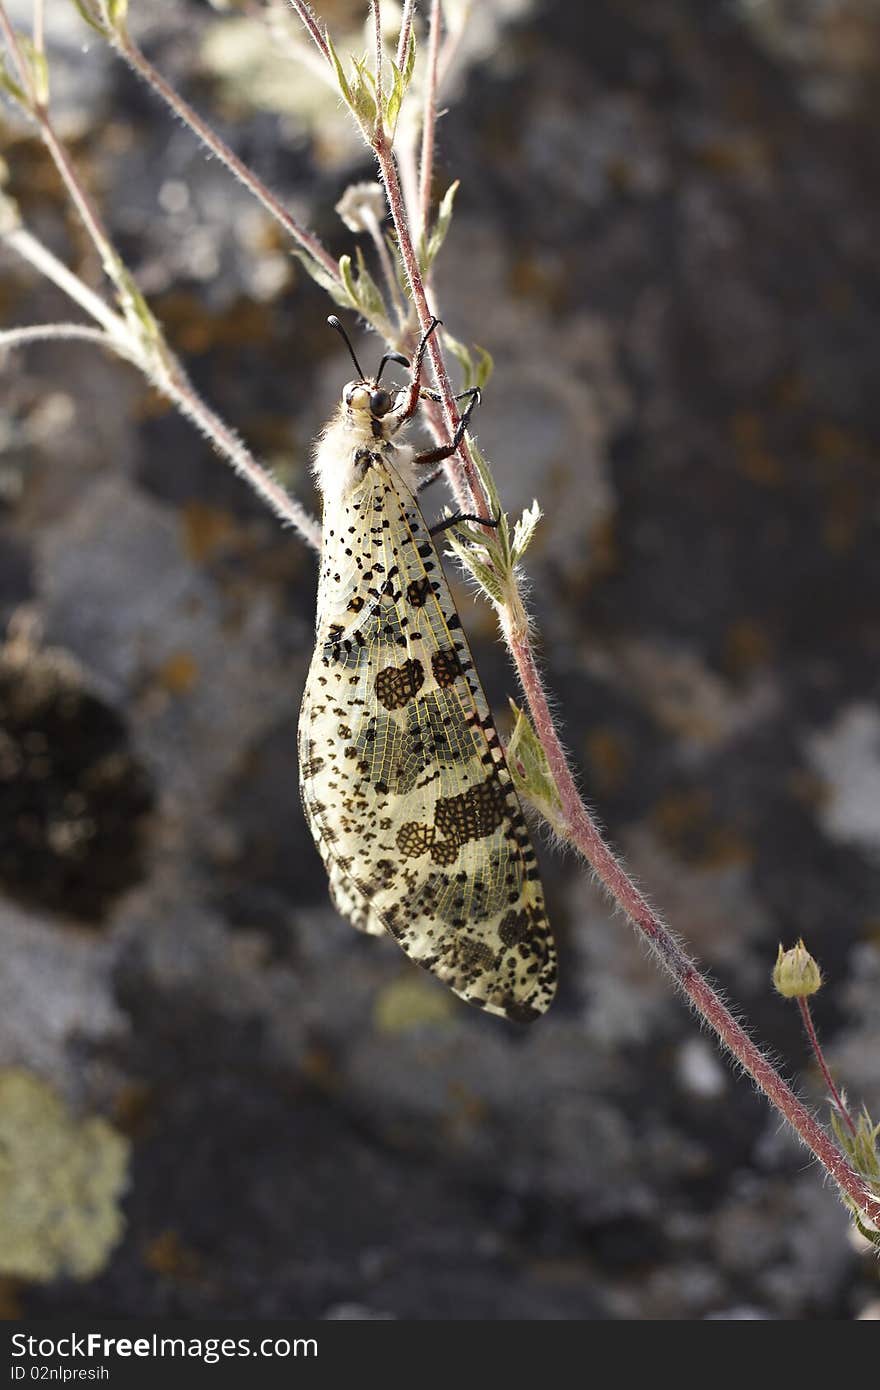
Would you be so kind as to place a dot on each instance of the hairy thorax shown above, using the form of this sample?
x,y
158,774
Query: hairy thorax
x,y
349,447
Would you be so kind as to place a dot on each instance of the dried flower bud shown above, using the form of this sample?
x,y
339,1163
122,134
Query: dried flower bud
x,y
796,974
361,206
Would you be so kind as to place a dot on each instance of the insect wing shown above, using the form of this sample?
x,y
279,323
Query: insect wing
x,y
403,776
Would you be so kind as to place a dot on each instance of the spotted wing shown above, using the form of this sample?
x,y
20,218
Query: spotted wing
x,y
403,776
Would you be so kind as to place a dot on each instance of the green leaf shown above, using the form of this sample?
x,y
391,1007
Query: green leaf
x,y
524,530
395,99
39,68
363,90
341,78
11,87
462,356
439,229
484,368
529,767
369,294
322,277
117,12
92,16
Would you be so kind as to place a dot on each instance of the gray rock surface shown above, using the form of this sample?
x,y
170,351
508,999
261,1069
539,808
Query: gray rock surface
x,y
667,235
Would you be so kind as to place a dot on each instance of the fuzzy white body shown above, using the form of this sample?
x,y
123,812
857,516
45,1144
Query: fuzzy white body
x,y
403,777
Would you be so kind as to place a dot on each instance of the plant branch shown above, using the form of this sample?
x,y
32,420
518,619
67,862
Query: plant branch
x,y
175,385
576,825
54,332
406,20
43,260
126,47
812,1037
307,16
429,123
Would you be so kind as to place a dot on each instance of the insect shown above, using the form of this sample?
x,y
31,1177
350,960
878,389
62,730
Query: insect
x,y
403,777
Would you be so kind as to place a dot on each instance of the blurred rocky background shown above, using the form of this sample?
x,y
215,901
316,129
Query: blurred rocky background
x,y
216,1099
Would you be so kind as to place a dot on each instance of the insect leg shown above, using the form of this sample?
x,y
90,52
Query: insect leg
x,y
454,520
418,361
445,451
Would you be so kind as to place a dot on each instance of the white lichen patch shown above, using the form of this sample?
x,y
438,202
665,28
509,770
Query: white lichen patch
x,y
847,757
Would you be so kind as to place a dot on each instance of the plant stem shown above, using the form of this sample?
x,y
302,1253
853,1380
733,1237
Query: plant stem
x,y
577,826
429,123
175,385
812,1036
464,479
406,20
307,16
42,259
54,332
127,48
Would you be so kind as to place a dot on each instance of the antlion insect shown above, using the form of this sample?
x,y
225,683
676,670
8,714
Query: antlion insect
x,y
403,778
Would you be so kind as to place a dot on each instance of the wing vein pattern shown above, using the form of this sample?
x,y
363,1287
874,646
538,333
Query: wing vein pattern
x,y
403,777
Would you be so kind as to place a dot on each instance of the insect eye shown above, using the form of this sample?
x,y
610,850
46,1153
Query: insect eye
x,y
380,403
356,396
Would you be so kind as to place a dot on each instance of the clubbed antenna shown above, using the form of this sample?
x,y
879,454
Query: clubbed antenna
x,y
334,323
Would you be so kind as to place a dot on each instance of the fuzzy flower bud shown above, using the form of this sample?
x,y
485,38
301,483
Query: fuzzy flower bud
x,y
362,206
796,975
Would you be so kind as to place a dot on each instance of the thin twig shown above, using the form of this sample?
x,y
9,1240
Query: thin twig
x,y
43,260
53,332
371,222
88,213
429,123
176,386
577,826
38,27
812,1036
464,478
377,30
406,20
307,16
126,47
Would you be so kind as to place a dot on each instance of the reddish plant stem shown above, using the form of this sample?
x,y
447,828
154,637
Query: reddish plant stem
x,y
812,1036
406,20
308,18
464,479
429,123
129,50
576,825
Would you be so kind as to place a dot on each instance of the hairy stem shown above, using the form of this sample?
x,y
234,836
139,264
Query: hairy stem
x,y
813,1039
127,48
578,827
43,260
429,123
308,18
54,332
406,20
173,383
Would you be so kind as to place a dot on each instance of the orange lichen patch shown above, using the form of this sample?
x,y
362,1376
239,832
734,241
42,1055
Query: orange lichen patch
x,y
205,530
178,674
683,820
608,757
167,1255
747,646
